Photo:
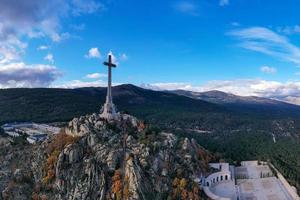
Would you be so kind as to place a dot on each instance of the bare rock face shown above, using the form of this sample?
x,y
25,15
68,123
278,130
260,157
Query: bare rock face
x,y
85,124
16,179
111,160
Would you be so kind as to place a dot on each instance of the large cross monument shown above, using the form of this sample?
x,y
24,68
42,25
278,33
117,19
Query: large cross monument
x,y
109,110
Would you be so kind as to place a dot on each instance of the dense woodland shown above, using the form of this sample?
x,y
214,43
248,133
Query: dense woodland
x,y
284,154
162,108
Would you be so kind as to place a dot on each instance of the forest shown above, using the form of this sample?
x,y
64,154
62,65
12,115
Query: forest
x,y
284,154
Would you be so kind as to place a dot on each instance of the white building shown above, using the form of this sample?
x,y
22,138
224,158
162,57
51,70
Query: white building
x,y
251,180
35,132
36,138
12,134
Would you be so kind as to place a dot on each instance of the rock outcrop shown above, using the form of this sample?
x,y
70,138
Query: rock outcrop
x,y
125,159
16,181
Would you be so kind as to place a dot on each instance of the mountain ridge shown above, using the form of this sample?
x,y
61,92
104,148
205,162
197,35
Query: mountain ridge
x,y
217,96
163,108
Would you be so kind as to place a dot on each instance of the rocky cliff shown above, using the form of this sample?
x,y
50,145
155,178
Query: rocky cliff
x,y
125,159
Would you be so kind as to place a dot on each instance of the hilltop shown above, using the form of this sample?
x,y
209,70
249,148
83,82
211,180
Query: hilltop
x,y
96,159
234,128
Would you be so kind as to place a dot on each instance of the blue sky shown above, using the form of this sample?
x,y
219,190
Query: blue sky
x,y
246,47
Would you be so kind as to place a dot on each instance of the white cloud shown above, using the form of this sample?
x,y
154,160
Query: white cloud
x,y
21,21
86,6
59,37
113,57
266,41
78,27
289,29
43,47
93,53
268,70
9,54
96,75
170,86
22,75
224,2
235,24
186,7
123,57
49,57
285,91
80,83
293,100
40,17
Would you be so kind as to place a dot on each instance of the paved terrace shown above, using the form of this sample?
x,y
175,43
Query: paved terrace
x,y
253,182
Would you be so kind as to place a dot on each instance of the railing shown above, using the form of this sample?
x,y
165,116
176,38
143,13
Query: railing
x,y
215,179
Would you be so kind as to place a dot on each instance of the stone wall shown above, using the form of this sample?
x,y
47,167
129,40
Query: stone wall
x,y
215,179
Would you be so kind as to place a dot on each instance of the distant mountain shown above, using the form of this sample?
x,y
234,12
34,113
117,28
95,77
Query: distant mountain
x,y
50,104
244,103
219,97
211,111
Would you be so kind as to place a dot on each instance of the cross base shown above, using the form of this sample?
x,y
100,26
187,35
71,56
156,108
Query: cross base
x,y
109,111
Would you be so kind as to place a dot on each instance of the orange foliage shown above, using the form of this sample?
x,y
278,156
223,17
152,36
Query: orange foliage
x,y
182,184
175,185
51,173
35,196
141,125
126,192
51,160
117,184
176,182
191,195
196,192
54,148
184,191
184,194
60,141
46,180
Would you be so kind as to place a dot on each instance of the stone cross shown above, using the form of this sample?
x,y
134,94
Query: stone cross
x,y
108,109
109,64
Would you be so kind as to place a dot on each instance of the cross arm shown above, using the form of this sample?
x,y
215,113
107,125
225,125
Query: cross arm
x,y
109,64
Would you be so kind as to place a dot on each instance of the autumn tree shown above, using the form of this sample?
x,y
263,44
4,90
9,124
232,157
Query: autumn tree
x,y
54,148
184,194
126,192
182,184
175,185
117,184
196,191
35,196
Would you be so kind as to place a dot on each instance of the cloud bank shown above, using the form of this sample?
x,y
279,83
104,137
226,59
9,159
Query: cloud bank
x,y
284,91
16,75
23,20
186,7
266,41
268,70
96,75
93,53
